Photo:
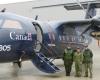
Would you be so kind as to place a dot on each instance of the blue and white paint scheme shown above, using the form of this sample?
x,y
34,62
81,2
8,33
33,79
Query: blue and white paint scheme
x,y
22,38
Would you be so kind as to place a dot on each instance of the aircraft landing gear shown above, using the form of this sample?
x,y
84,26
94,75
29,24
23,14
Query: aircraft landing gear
x,y
16,68
19,64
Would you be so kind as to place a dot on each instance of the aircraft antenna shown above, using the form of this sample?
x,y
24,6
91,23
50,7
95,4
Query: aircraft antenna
x,y
36,17
3,10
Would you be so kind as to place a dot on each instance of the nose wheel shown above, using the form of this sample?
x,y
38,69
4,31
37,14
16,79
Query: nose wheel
x,y
19,64
15,68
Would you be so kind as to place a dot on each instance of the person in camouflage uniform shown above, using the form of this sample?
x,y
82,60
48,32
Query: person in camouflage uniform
x,y
78,58
88,61
68,60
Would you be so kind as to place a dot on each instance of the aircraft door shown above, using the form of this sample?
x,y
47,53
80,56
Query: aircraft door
x,y
39,37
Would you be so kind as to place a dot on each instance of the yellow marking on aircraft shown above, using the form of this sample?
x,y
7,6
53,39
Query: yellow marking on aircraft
x,y
95,33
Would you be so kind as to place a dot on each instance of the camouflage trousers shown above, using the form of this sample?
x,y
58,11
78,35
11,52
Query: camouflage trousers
x,y
68,67
78,69
88,69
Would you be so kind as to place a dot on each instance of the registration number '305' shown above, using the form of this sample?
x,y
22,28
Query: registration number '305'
x,y
5,47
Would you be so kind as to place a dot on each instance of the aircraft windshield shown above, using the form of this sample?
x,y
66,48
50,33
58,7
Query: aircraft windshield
x,y
10,24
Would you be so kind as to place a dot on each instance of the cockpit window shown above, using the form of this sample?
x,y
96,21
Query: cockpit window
x,y
12,24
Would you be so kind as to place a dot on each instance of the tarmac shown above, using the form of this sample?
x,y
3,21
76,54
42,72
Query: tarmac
x,y
30,72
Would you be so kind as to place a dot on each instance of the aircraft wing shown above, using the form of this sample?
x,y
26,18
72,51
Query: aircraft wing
x,y
92,22
80,25
78,22
83,25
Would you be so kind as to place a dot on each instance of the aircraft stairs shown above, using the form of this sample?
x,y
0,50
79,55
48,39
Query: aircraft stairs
x,y
44,64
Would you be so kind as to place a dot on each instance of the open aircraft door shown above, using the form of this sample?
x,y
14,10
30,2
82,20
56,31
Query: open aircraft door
x,y
39,34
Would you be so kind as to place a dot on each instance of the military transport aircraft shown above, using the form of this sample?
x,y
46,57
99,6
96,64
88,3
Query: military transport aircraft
x,y
22,38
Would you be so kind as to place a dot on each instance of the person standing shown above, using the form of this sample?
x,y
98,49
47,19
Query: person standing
x,y
88,61
68,60
78,58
